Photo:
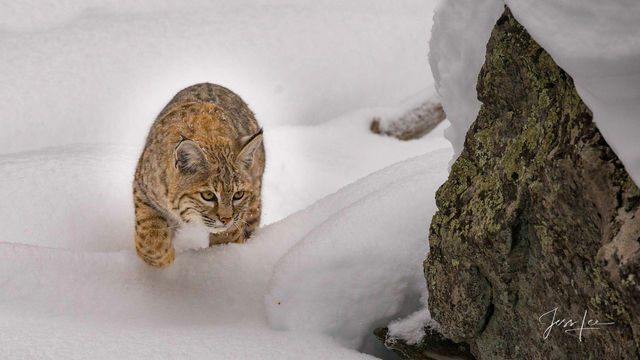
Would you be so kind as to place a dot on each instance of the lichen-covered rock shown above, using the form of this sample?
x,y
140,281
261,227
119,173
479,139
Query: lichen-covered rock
x,y
538,214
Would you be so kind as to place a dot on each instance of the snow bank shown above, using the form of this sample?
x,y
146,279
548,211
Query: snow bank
x,y
100,71
74,285
77,196
64,304
67,303
597,43
305,163
361,265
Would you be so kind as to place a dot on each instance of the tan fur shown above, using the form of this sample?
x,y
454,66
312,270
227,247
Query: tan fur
x,y
205,139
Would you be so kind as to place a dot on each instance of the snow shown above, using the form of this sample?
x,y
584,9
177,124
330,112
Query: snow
x,y
306,163
100,71
597,43
457,48
411,328
342,241
361,264
82,193
85,81
65,302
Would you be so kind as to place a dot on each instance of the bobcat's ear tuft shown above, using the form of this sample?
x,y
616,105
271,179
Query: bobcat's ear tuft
x,y
251,144
188,156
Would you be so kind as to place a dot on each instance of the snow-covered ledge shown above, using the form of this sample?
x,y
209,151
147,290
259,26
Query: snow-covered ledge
x,y
596,42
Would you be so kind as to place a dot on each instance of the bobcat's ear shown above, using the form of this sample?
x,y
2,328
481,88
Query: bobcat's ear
x,y
251,144
188,156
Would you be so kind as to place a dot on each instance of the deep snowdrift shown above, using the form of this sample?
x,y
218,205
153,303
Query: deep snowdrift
x,y
67,303
84,81
596,42
361,264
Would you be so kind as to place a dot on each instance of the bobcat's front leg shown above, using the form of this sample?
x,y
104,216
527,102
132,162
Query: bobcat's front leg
x,y
253,217
153,243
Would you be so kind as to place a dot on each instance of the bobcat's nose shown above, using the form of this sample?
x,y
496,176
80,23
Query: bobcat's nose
x,y
225,220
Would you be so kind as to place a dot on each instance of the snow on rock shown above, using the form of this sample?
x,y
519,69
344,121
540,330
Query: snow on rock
x,y
361,265
413,124
596,42
457,48
411,328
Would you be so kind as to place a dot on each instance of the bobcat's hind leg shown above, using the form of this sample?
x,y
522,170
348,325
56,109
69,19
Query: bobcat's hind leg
x,y
152,239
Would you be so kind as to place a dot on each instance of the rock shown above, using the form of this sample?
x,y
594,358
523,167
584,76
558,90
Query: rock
x,y
537,214
433,346
414,124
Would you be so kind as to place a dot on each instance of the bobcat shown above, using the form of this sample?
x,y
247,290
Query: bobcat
x,y
202,164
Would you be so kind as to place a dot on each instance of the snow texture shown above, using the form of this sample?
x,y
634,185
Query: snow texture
x,y
411,328
596,42
67,302
361,263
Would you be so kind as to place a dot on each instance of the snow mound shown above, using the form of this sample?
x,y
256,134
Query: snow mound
x,y
306,163
77,196
74,285
596,42
73,305
67,303
361,265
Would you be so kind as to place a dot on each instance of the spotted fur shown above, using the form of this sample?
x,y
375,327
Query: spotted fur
x,y
205,140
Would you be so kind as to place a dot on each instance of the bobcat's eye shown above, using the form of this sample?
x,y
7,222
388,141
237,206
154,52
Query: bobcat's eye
x,y
208,195
238,195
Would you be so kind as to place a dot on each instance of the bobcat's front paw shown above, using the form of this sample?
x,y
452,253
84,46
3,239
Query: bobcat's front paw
x,y
159,259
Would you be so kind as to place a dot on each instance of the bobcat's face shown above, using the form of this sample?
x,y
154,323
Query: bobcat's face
x,y
214,186
218,203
